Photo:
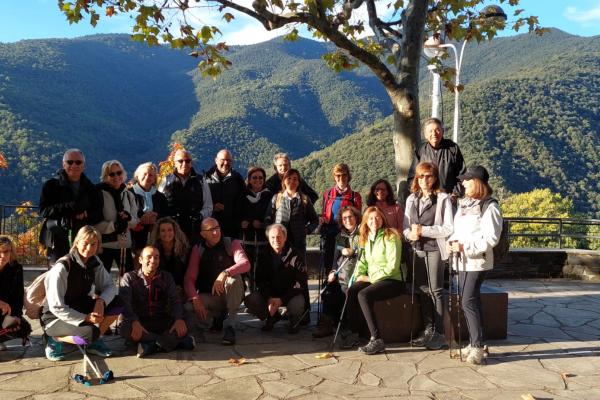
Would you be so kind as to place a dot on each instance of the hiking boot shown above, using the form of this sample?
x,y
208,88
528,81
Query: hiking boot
x,y
270,322
423,338
437,341
229,336
475,355
187,343
373,347
349,341
324,327
99,348
54,350
146,349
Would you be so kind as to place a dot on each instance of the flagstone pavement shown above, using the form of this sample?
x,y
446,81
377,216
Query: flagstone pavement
x,y
552,352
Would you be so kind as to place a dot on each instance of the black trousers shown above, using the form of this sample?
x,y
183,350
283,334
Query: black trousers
x,y
362,297
429,278
469,284
109,255
333,300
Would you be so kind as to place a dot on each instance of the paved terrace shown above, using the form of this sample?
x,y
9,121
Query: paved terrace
x,y
552,352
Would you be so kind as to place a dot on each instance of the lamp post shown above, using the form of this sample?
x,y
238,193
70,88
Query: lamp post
x,y
434,47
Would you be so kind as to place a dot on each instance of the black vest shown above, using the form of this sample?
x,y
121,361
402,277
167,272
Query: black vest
x,y
424,217
213,261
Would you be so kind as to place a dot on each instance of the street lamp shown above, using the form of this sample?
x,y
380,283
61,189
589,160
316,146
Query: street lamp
x,y
435,47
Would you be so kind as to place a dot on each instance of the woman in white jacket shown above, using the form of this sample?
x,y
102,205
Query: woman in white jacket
x,y
120,214
427,223
477,229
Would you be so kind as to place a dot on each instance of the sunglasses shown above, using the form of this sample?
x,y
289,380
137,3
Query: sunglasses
x,y
113,174
425,176
76,162
184,161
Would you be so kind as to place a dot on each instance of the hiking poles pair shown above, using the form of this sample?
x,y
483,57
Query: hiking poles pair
x,y
84,379
454,261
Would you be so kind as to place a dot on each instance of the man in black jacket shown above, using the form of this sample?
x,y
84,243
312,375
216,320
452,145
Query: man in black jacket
x,y
444,153
67,202
281,164
188,195
226,188
281,282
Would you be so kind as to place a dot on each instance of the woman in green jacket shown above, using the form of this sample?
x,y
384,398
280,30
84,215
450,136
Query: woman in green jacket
x,y
378,277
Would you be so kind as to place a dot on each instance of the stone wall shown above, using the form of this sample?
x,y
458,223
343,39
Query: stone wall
x,y
528,263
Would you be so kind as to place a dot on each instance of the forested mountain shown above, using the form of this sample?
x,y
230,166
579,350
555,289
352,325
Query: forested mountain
x,y
530,110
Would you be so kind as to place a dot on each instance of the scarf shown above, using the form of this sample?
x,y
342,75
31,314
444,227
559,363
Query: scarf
x,y
147,196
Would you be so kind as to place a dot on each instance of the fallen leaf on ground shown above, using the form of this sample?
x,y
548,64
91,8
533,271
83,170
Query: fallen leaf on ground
x,y
237,361
566,375
324,356
527,396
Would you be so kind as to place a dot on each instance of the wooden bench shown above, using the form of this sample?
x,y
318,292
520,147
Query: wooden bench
x,y
393,316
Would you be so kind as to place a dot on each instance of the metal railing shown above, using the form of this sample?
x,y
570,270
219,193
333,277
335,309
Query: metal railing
x,y
23,223
554,232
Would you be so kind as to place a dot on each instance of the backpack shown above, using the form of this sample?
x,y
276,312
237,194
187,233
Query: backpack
x,y
503,245
35,293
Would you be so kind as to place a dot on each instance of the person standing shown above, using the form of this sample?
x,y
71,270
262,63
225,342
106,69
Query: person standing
x,y
281,164
68,202
188,195
227,189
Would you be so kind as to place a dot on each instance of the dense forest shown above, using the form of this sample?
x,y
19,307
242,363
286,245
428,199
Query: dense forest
x,y
530,111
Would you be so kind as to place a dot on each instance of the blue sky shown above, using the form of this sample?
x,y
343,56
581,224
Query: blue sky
x,y
34,19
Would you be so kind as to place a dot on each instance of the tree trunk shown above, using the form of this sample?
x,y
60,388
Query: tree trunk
x,y
406,133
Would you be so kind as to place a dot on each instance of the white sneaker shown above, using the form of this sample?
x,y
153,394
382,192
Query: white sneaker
x,y
467,350
3,347
475,355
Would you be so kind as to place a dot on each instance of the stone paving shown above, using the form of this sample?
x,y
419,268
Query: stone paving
x,y
552,352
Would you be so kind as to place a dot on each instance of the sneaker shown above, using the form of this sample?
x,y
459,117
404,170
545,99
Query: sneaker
x,y
475,355
146,349
437,341
349,341
54,350
373,347
229,336
3,347
99,348
271,321
467,350
187,343
423,338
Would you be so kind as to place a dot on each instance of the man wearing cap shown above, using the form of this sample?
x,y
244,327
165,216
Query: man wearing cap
x,y
444,153
67,202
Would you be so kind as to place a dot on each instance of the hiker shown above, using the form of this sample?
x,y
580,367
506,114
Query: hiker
x,y
477,229
427,224
281,164
69,309
12,323
381,195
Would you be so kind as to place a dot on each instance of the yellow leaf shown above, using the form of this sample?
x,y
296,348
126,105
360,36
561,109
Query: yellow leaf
x,y
527,396
237,361
3,162
324,356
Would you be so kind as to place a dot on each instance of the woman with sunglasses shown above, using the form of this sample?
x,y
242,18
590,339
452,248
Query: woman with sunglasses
x,y
427,224
381,195
120,215
12,323
254,206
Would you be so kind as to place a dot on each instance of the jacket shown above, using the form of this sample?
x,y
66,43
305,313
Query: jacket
x,y
478,234
59,205
189,200
345,265
11,287
109,226
281,273
381,258
254,207
139,234
57,306
227,190
449,160
442,226
274,185
155,298
333,201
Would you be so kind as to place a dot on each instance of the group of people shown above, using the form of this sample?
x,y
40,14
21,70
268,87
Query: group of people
x,y
192,249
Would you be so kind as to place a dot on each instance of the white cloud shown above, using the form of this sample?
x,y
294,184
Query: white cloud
x,y
586,17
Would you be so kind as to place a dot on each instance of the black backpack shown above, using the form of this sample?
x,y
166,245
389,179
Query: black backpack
x,y
501,249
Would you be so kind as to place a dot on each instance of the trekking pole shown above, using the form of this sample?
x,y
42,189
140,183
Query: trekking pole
x,y
458,308
255,263
450,344
337,330
412,296
321,268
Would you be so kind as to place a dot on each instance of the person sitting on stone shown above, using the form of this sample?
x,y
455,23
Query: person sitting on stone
x,y
153,315
69,311
12,323
67,202
281,281
213,282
